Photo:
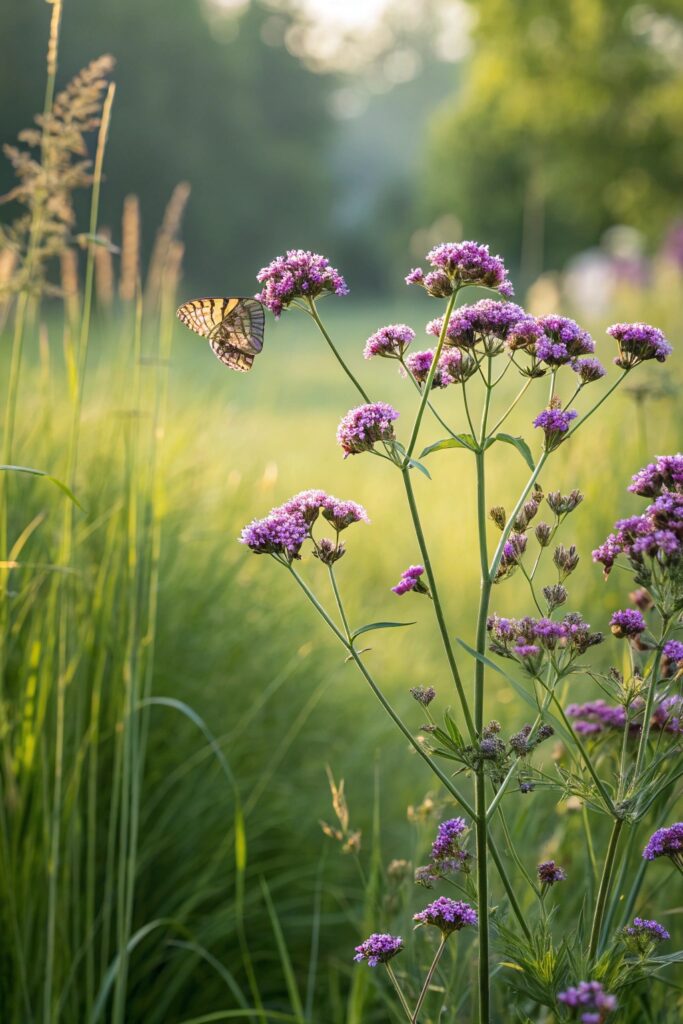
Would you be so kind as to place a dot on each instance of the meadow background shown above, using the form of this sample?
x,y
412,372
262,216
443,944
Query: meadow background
x,y
169,707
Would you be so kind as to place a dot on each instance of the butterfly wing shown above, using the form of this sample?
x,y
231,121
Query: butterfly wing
x,y
234,327
231,356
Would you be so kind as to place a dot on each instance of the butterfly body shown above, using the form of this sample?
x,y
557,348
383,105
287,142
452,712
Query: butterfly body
x,y
234,327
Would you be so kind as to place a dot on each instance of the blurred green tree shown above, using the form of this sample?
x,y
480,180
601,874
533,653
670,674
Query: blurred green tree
x,y
568,120
201,97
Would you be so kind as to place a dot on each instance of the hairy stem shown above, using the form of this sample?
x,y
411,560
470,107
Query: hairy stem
x,y
399,992
314,313
427,387
428,980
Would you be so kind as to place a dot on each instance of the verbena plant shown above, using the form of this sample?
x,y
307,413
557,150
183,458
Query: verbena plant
x,y
620,753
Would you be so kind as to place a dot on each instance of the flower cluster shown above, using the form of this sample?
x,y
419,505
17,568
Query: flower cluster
x,y
389,342
447,853
627,623
411,580
562,341
378,949
455,264
666,842
665,474
554,423
590,998
597,717
362,427
447,915
452,367
549,873
423,694
487,322
642,936
283,531
527,639
297,275
651,542
637,343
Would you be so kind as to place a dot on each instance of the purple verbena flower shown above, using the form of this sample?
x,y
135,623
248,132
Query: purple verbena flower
x,y
411,580
637,343
342,514
299,274
455,264
666,474
279,533
486,321
627,623
390,342
549,873
588,370
657,534
555,424
562,342
673,650
420,363
447,842
446,914
642,936
666,842
590,997
379,949
362,427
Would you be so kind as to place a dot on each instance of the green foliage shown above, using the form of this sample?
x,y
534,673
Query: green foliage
x,y
567,122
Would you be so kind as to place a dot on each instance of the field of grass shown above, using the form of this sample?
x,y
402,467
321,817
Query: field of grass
x,y
189,827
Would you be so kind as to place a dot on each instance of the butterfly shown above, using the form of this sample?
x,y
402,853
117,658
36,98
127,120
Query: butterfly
x,y
234,327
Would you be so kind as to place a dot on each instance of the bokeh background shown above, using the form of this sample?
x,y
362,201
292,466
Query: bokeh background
x,y
367,130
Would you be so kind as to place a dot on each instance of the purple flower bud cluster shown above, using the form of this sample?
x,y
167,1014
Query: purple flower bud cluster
x,y
666,842
411,580
389,342
657,534
447,915
549,873
283,531
423,694
637,343
522,743
590,998
627,623
526,639
297,275
456,264
447,842
363,426
596,717
447,853
562,341
673,650
642,936
379,949
452,367
665,474
488,322
588,370
554,423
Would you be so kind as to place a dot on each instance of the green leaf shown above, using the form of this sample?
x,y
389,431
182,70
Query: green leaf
x,y
418,465
522,447
452,727
460,441
379,625
53,479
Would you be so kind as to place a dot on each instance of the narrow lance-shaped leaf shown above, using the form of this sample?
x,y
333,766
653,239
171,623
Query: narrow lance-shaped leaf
x,y
379,625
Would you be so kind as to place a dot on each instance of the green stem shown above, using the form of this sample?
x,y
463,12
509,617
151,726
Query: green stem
x,y
427,387
609,805
647,713
430,974
438,610
511,406
513,515
597,404
604,888
353,653
399,992
480,779
314,313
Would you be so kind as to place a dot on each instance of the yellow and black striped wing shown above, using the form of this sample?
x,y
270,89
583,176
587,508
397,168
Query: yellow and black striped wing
x,y
234,327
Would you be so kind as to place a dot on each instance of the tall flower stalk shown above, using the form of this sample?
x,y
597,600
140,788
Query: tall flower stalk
x,y
471,341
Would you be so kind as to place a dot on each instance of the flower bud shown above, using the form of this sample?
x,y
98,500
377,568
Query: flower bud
x,y
328,552
497,514
566,560
555,596
543,533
